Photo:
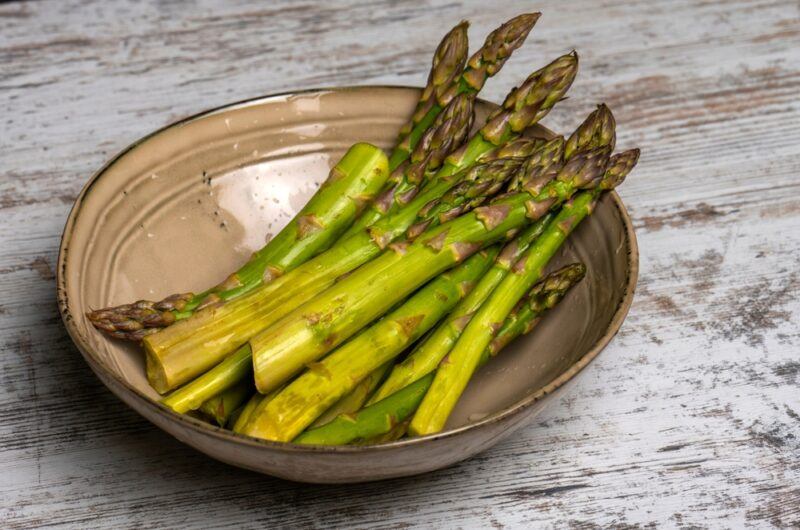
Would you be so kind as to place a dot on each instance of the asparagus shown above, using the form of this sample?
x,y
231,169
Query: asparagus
x,y
352,402
427,355
448,64
388,414
217,380
352,182
523,107
247,410
318,326
443,85
311,330
172,362
597,130
460,363
372,421
544,295
308,396
188,348
446,134
221,407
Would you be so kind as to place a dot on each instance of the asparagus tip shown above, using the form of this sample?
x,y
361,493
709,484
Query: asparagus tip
x,y
618,168
598,129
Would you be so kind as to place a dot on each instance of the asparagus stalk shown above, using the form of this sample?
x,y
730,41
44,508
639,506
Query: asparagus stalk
x,y
352,402
171,362
353,181
448,64
446,134
544,295
188,348
244,415
303,400
372,421
388,414
220,407
217,380
460,363
443,83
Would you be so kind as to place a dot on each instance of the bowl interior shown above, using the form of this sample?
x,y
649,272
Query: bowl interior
x,y
185,206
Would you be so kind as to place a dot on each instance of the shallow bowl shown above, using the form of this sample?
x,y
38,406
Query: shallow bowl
x,y
179,209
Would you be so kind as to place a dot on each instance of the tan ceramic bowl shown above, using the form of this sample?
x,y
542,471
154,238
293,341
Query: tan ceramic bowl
x,y
179,209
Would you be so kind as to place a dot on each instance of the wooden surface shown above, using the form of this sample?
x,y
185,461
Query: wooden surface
x,y
691,418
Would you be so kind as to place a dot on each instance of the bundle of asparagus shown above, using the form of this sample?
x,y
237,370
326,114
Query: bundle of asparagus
x,y
440,249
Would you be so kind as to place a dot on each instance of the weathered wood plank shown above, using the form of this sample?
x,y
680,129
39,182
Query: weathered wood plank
x,y
690,418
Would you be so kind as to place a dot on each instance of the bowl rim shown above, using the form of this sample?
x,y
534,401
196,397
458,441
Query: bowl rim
x,y
203,428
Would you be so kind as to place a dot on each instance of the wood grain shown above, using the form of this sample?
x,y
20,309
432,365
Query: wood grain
x,y
691,418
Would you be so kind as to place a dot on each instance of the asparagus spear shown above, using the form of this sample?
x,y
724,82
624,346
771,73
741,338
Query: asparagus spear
x,y
248,409
220,407
389,413
460,363
544,295
373,420
188,348
523,107
352,402
443,85
446,134
597,130
303,400
425,357
186,354
352,182
315,328
448,64
217,380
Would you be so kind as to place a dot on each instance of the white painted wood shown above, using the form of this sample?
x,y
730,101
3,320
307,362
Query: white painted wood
x,y
690,418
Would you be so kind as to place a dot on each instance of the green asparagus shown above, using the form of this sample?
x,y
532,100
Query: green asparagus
x,y
389,413
352,402
308,396
352,183
220,407
326,267
443,86
457,367
373,420
188,348
544,295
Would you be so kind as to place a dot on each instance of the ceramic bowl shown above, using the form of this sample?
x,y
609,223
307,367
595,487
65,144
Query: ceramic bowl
x,y
180,208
